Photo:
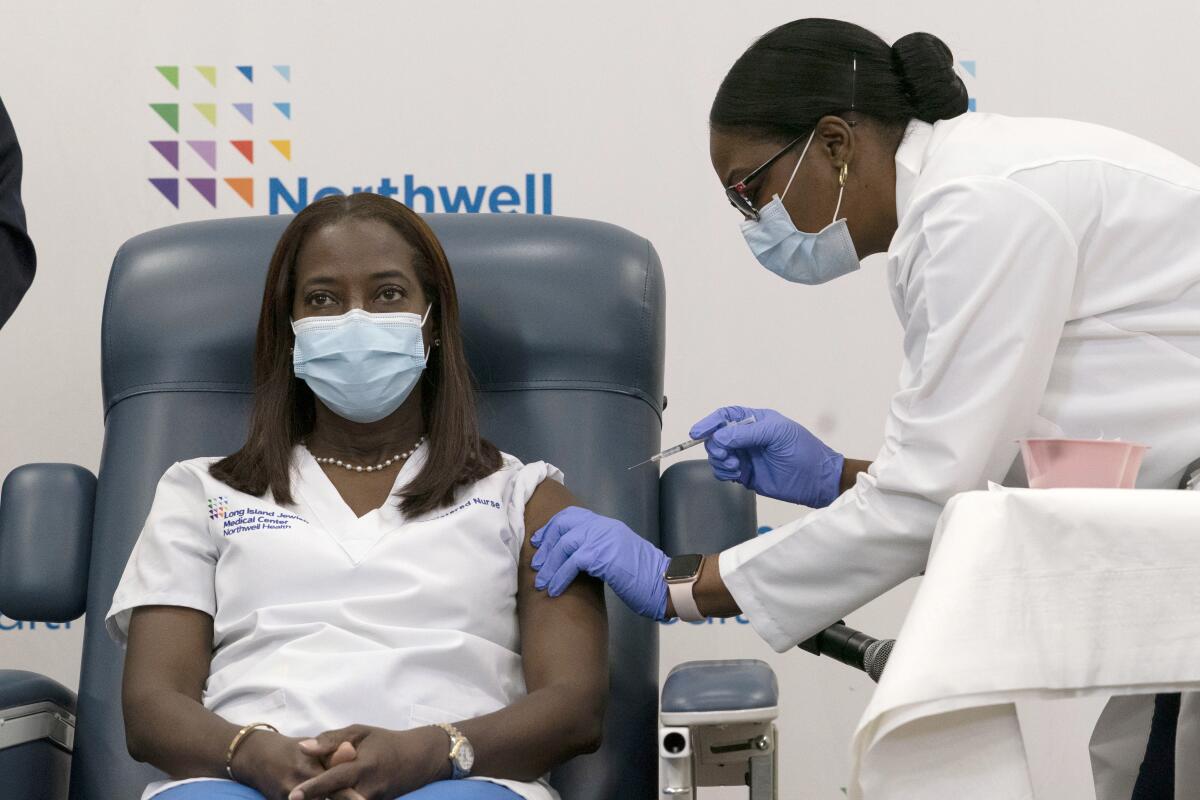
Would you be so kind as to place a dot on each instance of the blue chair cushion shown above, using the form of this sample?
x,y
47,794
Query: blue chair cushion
x,y
45,541
698,686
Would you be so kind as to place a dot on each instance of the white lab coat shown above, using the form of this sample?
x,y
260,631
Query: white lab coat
x,y
322,619
1047,275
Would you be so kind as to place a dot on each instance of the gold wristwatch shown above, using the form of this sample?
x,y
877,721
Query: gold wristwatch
x,y
462,755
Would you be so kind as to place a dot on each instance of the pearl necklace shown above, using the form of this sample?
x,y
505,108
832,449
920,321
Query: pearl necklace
x,y
337,462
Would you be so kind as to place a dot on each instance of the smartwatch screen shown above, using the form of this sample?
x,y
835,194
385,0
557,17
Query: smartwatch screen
x,y
683,567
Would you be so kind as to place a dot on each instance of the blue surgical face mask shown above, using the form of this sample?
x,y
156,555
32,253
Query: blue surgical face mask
x,y
361,365
800,257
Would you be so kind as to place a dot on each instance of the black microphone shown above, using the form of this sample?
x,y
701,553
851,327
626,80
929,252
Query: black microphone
x,y
852,648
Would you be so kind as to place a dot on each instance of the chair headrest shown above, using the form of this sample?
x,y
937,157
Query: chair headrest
x,y
547,302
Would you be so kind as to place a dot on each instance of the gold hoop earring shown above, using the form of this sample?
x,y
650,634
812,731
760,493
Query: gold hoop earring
x,y
842,175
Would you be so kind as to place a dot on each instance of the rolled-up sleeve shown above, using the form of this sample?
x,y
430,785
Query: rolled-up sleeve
x,y
988,273
520,487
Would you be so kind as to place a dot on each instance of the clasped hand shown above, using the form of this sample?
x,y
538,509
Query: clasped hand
x,y
358,762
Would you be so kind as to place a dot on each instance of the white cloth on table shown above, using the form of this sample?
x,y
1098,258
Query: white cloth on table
x,y
1034,594
323,619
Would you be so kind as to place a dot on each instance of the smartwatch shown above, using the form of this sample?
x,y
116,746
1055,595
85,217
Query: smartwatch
x,y
681,577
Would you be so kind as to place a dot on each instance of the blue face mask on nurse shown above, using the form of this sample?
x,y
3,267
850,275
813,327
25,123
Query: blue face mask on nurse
x,y
777,243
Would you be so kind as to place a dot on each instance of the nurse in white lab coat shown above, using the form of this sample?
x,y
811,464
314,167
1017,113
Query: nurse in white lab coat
x,y
344,607
1046,273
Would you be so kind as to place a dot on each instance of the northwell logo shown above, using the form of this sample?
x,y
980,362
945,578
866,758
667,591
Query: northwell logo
x,y
231,127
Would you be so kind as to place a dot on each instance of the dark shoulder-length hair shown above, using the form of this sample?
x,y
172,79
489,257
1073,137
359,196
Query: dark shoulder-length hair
x,y
284,405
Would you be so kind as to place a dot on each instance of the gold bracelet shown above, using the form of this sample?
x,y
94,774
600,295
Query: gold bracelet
x,y
238,738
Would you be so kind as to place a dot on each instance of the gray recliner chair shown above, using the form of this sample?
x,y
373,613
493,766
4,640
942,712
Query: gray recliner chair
x,y
563,322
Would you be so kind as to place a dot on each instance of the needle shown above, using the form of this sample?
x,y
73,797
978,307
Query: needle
x,y
679,448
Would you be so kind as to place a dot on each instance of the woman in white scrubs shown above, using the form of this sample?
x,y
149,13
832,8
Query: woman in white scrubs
x,y
1046,273
344,607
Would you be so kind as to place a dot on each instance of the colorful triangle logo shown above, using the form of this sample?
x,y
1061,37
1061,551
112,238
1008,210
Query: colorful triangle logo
x,y
285,70
169,113
285,109
171,74
969,66
244,188
206,149
246,110
169,150
169,187
209,74
248,72
207,187
284,146
245,147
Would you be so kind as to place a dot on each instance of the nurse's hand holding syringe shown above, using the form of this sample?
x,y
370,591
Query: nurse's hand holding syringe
x,y
759,448
776,456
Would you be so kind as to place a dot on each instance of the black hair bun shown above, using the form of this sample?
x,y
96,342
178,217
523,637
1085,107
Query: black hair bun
x,y
925,67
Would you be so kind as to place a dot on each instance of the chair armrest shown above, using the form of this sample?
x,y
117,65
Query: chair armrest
x,y
45,541
37,736
700,514
34,707
720,693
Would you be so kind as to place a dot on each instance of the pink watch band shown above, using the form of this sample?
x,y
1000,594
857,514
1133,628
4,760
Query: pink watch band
x,y
683,600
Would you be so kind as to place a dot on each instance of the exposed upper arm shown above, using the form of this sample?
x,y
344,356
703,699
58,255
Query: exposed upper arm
x,y
564,639
169,649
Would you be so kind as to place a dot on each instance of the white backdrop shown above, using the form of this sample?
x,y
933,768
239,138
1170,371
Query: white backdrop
x,y
603,103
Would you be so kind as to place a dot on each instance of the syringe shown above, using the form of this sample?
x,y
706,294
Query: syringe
x,y
679,448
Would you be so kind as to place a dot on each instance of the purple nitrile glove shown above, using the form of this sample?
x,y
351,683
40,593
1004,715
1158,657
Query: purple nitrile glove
x,y
577,540
773,455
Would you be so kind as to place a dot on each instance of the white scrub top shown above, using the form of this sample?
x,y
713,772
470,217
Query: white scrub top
x,y
1047,274
322,619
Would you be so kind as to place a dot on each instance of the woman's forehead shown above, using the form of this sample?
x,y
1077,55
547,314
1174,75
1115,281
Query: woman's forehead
x,y
355,247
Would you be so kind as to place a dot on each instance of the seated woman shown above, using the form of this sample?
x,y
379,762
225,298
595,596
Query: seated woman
x,y
345,607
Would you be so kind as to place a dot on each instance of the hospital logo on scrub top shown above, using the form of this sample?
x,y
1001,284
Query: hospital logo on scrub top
x,y
218,507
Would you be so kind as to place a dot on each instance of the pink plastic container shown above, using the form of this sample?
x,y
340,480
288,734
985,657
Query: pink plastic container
x,y
1081,463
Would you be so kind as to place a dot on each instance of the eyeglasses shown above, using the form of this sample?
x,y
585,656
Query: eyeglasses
x,y
737,192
